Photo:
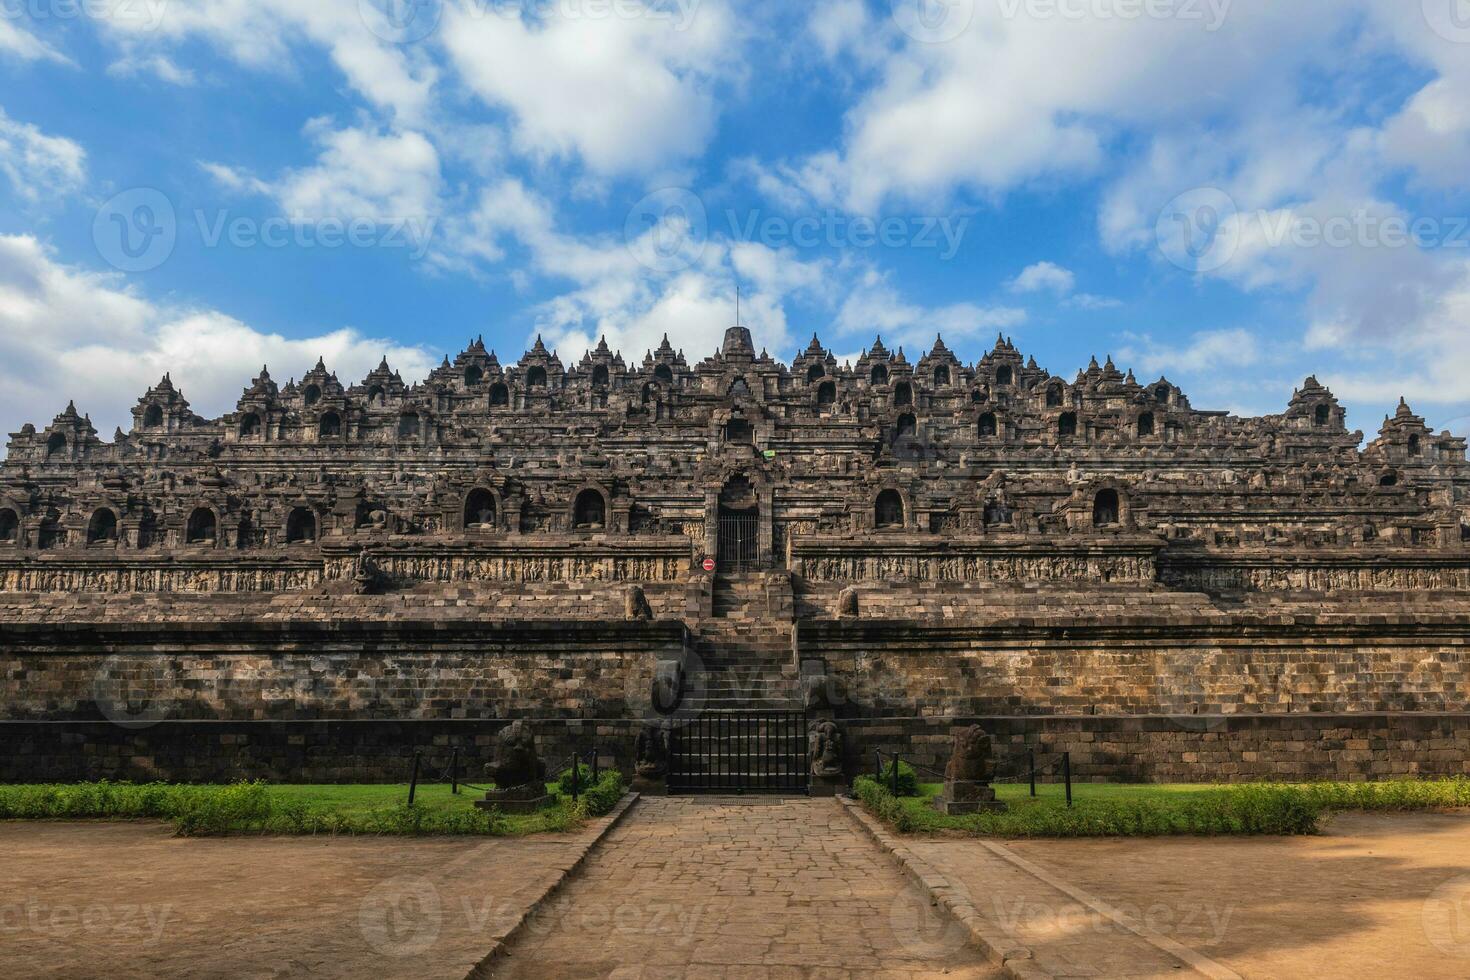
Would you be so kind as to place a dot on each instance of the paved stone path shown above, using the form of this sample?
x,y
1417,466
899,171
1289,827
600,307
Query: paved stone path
x,y
755,887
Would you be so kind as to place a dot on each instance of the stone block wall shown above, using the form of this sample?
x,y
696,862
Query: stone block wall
x,y
405,670
367,751
1147,665
1189,748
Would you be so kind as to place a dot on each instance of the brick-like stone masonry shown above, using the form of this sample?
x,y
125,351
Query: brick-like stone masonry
x,y
1094,551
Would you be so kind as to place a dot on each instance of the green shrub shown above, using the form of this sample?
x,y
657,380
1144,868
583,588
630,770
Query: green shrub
x,y
564,779
908,780
1246,809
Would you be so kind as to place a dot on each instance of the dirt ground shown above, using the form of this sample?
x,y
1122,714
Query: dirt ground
x,y
130,900
1377,895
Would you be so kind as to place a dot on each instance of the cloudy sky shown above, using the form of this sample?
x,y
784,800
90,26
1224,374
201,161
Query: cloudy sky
x,y
1234,193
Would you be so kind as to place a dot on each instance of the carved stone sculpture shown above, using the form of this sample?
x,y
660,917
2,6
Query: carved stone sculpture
x,y
824,749
847,604
635,604
516,762
967,776
651,751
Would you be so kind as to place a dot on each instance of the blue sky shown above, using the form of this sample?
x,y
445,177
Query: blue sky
x,y
1235,193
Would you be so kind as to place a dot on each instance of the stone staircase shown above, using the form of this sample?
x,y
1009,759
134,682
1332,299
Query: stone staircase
x,y
744,668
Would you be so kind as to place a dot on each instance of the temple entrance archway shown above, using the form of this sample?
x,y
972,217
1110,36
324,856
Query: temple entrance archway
x,y
739,526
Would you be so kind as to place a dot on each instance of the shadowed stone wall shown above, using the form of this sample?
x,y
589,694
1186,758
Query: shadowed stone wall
x,y
399,671
1191,748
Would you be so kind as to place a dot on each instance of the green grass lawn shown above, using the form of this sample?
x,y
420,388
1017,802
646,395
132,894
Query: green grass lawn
x,y
1129,810
311,809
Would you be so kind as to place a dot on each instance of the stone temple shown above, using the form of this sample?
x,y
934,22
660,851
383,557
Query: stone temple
x,y
332,575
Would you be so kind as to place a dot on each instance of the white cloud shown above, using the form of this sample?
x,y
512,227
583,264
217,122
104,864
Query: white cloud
x,y
17,42
160,66
37,164
260,34
67,333
1206,351
364,174
1044,277
625,94
873,306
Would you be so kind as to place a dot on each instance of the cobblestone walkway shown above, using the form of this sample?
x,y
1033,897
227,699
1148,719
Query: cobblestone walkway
x,y
690,888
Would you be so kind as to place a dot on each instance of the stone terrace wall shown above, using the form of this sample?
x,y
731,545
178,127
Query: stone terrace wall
x,y
543,601
286,752
140,673
1190,748
1148,665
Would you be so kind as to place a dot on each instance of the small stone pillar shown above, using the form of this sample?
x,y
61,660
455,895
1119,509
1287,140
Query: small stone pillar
x,y
824,735
651,759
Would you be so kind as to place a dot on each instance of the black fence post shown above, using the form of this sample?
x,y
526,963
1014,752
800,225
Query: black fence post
x,y
895,774
1067,774
413,781
454,772
595,773
878,761
1031,757
576,767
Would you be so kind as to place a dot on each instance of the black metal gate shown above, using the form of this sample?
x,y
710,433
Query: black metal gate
x,y
739,541
739,752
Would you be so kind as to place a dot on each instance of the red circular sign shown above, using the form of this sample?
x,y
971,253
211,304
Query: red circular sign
x,y
709,564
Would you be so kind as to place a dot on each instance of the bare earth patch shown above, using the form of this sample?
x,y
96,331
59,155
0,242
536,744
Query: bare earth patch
x,y
1376,895
131,900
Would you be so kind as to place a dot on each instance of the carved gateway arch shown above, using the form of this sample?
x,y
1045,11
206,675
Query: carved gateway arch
x,y
740,500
